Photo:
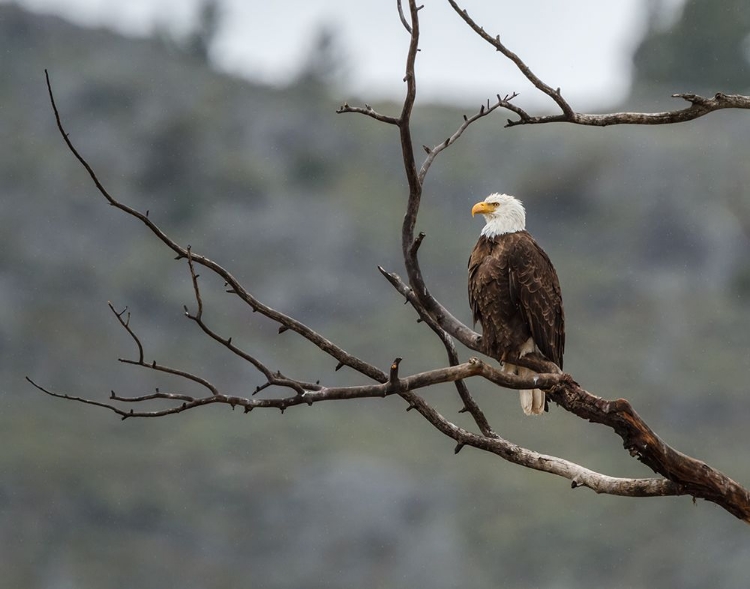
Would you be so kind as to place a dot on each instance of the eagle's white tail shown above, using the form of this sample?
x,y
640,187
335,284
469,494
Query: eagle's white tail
x,y
532,400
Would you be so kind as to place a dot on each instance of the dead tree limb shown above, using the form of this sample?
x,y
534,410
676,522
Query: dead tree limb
x,y
681,474
638,438
699,105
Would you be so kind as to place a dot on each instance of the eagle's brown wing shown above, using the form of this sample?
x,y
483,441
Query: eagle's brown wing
x,y
504,327
534,287
482,276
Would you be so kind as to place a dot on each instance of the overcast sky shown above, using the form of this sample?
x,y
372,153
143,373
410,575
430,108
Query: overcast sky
x,y
582,46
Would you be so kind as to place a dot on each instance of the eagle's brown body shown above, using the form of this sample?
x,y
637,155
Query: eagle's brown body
x,y
515,295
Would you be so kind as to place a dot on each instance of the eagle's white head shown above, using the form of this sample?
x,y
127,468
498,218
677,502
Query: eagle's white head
x,y
504,214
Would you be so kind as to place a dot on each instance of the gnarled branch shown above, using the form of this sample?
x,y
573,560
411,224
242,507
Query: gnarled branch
x,y
682,475
700,479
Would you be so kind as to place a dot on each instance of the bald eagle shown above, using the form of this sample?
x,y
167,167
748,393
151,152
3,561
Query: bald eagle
x,y
514,293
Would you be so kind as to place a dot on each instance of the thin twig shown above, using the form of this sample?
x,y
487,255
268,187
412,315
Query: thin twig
x,y
150,397
196,291
369,111
126,324
174,372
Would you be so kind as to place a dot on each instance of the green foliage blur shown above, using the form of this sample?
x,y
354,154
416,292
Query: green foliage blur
x,y
647,227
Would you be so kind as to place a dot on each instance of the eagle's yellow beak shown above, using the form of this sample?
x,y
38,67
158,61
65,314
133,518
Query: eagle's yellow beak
x,y
481,208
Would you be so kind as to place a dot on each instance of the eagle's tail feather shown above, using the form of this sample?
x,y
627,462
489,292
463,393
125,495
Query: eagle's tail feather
x,y
527,401
532,401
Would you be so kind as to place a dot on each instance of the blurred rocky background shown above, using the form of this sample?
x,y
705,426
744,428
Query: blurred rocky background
x,y
648,228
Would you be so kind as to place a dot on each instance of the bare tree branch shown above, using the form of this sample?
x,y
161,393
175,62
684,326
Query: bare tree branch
x,y
467,336
474,367
578,475
369,111
525,70
343,357
683,475
699,106
470,405
415,179
126,324
404,22
698,478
